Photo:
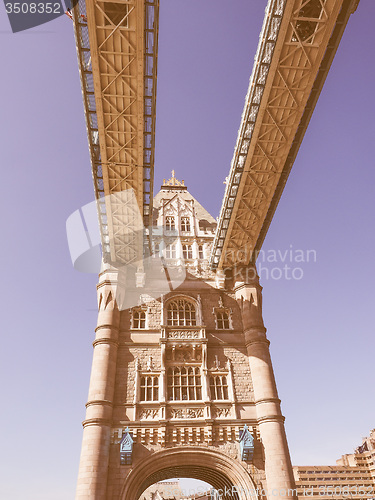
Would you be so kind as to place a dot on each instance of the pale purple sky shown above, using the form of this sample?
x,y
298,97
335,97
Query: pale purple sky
x,y
321,327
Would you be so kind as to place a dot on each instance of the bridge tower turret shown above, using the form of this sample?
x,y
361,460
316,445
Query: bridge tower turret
x,y
182,382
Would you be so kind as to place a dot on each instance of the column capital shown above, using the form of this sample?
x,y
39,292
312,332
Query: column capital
x,y
248,294
245,276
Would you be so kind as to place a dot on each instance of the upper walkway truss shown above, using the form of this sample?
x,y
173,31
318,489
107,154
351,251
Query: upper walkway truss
x,y
297,44
117,57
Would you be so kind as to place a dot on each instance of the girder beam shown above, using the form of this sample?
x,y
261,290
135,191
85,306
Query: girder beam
x,y
297,45
117,56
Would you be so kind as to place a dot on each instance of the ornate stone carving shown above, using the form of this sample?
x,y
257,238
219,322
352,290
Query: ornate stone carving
x,y
177,413
201,272
185,353
186,413
150,365
222,412
148,413
137,364
184,334
217,363
194,412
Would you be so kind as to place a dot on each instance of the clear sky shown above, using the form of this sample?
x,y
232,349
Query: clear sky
x,y
321,327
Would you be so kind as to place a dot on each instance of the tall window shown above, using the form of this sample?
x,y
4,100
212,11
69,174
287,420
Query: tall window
x,y
170,252
156,250
181,313
187,251
184,383
139,318
219,387
200,252
169,223
185,224
150,388
222,319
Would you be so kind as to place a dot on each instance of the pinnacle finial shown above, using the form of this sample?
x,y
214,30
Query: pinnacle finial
x,y
173,181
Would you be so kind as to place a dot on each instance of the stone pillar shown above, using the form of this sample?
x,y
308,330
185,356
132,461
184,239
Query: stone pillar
x,y
163,383
93,468
278,467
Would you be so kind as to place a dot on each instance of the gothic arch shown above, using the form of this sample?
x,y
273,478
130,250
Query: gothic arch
x,y
211,466
195,302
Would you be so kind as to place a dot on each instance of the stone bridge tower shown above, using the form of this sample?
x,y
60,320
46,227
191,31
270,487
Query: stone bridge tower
x,y
182,382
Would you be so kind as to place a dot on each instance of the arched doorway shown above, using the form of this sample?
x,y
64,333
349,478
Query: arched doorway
x,y
225,474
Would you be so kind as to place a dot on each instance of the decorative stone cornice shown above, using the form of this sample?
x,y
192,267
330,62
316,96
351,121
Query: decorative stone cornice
x,y
107,326
250,342
99,402
105,341
96,421
268,400
271,418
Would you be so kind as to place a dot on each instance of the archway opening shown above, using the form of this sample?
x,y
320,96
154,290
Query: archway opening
x,y
179,489
221,485
227,476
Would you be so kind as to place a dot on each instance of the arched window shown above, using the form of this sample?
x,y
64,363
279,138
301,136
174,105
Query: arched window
x,y
181,313
200,252
139,318
156,250
184,384
222,319
187,251
150,388
185,224
170,252
219,387
169,223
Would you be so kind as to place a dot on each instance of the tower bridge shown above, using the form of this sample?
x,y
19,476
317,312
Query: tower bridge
x,y
182,379
117,58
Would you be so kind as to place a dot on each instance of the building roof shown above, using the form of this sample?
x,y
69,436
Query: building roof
x,y
173,188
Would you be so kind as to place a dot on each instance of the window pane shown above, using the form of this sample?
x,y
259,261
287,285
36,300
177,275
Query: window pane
x,y
185,383
219,387
181,313
222,319
219,393
139,319
185,224
169,223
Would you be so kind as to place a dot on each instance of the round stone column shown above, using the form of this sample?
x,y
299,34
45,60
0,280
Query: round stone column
x,y
278,467
93,469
